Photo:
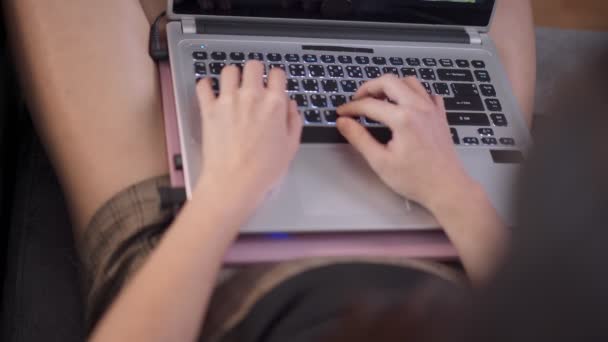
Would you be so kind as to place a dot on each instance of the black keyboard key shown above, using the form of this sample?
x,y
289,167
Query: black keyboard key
x,y
478,64
409,72
493,105
464,103
487,90
441,89
216,68
455,136
274,57
507,141
328,59
335,71
316,70
330,116
446,63
293,85
318,100
499,120
489,141
337,100
255,56
470,141
372,121
277,65
455,75
348,86
427,86
292,58
330,134
237,56
329,86
345,59
300,99
413,62
462,63
200,68
297,70
468,119
372,71
464,89
486,132
218,56
379,60
308,58
312,116
215,84
482,76
354,71
310,85
362,59
427,74
390,70
199,55
430,62
396,61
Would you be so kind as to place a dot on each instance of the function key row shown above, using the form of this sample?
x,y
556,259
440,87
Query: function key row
x,y
343,59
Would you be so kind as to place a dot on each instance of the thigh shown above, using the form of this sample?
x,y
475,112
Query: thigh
x,y
513,33
93,93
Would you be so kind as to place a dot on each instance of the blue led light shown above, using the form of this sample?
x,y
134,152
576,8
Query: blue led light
x,y
279,236
203,46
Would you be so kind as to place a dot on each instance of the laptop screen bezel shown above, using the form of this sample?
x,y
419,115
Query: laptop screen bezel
x,y
321,22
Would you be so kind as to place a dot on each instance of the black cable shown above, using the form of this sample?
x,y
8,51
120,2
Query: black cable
x,y
158,45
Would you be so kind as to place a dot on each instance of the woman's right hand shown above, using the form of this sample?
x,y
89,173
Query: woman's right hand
x,y
420,162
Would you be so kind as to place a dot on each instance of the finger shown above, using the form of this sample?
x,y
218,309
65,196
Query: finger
x,y
277,79
375,109
416,86
440,103
253,75
389,86
204,92
361,140
294,125
230,80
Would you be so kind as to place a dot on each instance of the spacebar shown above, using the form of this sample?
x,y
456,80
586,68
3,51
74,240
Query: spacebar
x,y
463,103
331,135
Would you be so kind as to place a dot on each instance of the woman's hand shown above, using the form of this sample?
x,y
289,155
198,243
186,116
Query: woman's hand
x,y
250,133
420,162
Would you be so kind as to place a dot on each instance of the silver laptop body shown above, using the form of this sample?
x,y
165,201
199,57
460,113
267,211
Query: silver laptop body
x,y
329,186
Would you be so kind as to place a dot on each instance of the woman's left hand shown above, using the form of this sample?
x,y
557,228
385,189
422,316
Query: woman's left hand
x,y
250,134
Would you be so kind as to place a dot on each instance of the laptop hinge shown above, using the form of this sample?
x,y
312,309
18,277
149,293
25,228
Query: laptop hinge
x,y
474,36
189,26
434,35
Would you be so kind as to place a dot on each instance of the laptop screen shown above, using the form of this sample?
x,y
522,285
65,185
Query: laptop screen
x,y
436,12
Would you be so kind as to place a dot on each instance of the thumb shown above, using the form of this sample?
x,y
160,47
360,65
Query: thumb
x,y
361,139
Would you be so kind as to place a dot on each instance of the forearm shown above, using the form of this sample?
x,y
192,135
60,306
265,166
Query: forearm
x,y
167,299
474,228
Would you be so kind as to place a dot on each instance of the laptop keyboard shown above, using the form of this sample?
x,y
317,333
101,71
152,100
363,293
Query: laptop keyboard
x,y
319,83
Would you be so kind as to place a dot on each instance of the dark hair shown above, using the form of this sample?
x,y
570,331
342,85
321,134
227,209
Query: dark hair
x,y
554,284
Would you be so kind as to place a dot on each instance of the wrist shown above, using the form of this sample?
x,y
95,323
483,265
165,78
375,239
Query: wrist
x,y
457,196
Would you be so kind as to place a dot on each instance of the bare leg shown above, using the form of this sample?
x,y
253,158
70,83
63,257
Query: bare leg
x,y
513,33
93,92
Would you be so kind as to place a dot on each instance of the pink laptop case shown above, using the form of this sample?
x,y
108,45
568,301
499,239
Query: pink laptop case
x,y
281,247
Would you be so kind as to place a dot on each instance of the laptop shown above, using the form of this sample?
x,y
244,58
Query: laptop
x,y
328,48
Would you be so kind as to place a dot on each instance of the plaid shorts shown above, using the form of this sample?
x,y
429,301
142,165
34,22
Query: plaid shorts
x,y
126,229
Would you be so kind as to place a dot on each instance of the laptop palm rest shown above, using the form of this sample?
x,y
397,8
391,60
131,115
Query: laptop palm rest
x,y
332,188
